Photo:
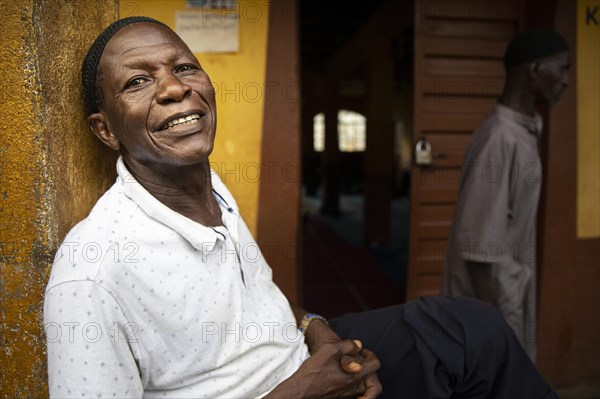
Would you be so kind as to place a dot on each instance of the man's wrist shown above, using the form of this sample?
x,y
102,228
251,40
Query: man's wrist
x,y
319,333
308,319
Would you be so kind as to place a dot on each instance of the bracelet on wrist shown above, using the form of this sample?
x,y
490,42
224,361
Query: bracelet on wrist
x,y
309,318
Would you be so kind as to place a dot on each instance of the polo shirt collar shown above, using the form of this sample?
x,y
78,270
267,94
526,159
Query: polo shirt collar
x,y
532,123
200,237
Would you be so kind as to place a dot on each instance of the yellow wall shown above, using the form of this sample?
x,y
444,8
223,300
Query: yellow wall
x,y
19,229
239,79
52,169
588,119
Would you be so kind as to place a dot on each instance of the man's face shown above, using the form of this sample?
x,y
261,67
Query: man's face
x,y
158,102
552,78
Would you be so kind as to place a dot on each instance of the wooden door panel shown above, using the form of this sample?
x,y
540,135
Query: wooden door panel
x,y
435,221
449,141
438,229
449,153
438,212
447,123
458,76
430,266
432,103
427,284
460,86
462,67
496,10
438,178
467,47
438,194
469,29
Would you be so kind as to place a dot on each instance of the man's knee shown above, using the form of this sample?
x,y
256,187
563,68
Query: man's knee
x,y
467,319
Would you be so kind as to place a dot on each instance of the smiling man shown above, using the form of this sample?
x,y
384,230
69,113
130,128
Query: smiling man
x,y
152,296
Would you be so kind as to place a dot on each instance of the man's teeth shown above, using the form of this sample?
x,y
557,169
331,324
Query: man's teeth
x,y
186,119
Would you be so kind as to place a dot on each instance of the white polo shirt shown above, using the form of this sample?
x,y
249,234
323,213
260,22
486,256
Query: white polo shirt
x,y
144,302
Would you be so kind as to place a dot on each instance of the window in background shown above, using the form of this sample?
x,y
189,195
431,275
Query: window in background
x,y
352,131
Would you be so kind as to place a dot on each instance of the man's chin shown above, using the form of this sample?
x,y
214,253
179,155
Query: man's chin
x,y
556,98
553,100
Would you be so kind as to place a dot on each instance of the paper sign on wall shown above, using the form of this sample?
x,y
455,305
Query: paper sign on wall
x,y
223,4
209,30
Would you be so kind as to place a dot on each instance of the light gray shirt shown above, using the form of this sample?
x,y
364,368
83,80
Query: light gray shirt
x,y
495,217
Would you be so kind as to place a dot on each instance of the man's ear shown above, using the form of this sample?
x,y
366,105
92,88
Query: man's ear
x,y
99,126
534,69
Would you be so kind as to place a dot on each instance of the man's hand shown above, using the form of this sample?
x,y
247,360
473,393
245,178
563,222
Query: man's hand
x,y
354,363
481,279
322,376
372,385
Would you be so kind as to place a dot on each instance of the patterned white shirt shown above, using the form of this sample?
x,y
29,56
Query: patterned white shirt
x,y
144,302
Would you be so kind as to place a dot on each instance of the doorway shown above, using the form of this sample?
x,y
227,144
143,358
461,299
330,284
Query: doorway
x,y
356,157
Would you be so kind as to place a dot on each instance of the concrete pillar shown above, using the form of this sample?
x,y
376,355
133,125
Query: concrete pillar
x,y
52,169
279,205
380,143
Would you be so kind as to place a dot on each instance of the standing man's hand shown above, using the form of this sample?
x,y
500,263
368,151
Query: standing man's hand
x,y
481,279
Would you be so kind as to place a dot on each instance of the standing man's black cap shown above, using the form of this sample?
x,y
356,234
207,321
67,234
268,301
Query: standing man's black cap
x,y
532,45
89,68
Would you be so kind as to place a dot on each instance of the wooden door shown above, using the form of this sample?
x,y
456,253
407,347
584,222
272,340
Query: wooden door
x,y
459,46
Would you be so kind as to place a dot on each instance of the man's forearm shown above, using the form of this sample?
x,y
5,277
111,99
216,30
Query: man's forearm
x,y
481,279
299,312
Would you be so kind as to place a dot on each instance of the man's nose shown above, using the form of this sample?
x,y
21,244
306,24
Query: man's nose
x,y
566,80
171,89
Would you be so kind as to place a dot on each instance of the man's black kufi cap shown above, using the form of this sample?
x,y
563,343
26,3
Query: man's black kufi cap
x,y
90,63
532,45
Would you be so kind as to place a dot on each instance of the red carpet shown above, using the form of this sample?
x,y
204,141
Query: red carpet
x,y
339,278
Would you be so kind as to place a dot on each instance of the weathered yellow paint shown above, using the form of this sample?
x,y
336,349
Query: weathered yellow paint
x,y
22,355
588,118
239,79
46,153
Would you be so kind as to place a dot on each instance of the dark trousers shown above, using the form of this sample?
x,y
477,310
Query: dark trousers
x,y
441,347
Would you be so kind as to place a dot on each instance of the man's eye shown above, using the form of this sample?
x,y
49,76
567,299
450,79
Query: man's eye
x,y
184,68
135,82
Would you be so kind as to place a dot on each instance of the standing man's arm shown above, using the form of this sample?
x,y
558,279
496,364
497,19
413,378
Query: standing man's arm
x,y
483,209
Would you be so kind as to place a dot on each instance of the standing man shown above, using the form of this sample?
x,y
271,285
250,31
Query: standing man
x,y
491,251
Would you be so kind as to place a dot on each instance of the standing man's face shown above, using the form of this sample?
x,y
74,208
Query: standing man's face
x,y
159,105
552,77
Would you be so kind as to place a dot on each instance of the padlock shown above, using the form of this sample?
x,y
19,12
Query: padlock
x,y
423,155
